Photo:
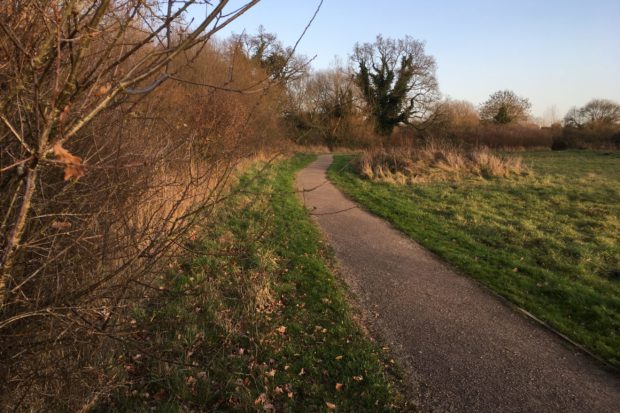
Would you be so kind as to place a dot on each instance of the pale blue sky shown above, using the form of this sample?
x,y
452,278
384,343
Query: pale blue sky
x,y
554,52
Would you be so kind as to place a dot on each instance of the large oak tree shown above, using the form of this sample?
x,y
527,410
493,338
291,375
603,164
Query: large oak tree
x,y
397,80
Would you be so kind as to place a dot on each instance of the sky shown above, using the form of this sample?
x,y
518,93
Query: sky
x,y
557,53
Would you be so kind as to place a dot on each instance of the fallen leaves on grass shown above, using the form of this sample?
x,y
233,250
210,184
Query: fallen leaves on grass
x,y
260,399
160,395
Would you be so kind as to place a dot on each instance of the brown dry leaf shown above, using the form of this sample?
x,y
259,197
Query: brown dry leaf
x,y
338,357
278,390
160,395
73,164
281,329
64,114
330,406
104,89
358,378
338,386
271,373
260,399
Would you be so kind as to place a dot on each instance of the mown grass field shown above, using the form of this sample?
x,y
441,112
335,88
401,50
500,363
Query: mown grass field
x,y
260,323
549,242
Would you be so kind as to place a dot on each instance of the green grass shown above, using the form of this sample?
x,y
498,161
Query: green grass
x,y
549,242
258,320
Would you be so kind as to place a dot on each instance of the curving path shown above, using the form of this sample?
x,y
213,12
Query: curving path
x,y
467,351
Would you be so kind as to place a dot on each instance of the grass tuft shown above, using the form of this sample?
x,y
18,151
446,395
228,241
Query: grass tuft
x,y
435,162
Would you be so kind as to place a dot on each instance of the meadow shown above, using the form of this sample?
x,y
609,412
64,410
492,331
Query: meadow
x,y
548,240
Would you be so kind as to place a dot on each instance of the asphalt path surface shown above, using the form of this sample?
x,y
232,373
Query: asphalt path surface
x,y
464,349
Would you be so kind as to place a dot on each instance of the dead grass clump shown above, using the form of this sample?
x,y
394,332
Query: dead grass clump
x,y
436,162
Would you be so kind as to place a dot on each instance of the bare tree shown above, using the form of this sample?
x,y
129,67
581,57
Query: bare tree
x,y
460,114
281,63
397,80
596,113
550,116
324,104
505,106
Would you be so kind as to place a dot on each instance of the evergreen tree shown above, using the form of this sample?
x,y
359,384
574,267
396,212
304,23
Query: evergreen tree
x,y
502,117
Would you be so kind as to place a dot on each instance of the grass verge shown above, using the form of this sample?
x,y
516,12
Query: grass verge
x,y
256,321
549,242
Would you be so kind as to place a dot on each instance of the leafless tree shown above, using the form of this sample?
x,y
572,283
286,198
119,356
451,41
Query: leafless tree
x,y
505,106
281,63
550,116
329,98
397,80
596,113
459,114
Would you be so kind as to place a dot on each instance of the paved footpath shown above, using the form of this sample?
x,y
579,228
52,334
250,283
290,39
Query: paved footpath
x,y
467,351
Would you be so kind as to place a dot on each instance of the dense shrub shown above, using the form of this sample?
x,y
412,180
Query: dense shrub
x,y
91,220
507,136
350,132
607,137
483,135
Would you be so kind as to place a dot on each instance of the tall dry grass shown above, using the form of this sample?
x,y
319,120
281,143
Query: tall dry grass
x,y
435,161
